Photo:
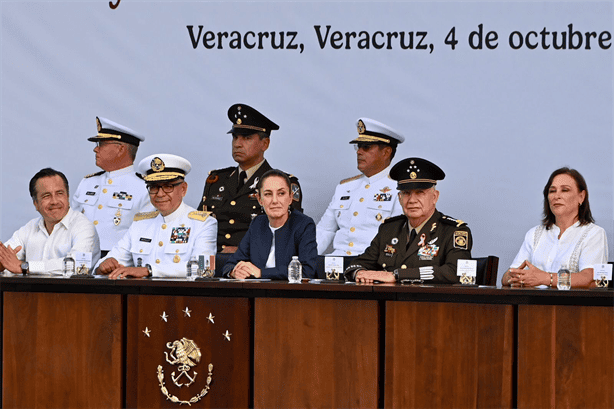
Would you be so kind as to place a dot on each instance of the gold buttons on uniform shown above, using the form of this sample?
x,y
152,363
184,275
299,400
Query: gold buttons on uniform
x,y
223,246
253,207
227,235
160,244
177,251
362,199
119,205
352,229
87,200
349,253
341,207
384,265
355,213
176,259
367,186
163,226
231,221
104,190
379,207
141,250
403,266
158,261
110,181
100,206
95,222
233,203
351,244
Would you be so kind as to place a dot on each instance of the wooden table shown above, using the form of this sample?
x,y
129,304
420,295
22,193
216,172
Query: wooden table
x,y
131,343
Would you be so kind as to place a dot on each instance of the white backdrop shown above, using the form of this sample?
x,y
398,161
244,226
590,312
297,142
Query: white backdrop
x,y
498,121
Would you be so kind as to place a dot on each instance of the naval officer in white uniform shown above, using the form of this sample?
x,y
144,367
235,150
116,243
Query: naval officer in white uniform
x,y
362,203
111,198
160,243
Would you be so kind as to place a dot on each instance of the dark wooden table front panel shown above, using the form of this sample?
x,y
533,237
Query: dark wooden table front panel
x,y
231,359
442,355
565,356
62,351
316,353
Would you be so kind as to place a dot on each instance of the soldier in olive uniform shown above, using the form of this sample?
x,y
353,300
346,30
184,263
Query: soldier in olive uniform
x,y
422,245
230,193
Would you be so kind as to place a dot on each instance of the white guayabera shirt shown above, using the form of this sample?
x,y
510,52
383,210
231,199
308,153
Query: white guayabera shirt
x,y
578,248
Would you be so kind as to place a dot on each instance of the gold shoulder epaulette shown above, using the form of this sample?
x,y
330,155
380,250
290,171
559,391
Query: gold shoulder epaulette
x,y
146,215
91,175
350,179
199,215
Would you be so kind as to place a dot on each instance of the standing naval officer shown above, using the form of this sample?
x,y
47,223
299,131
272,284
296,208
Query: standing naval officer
x,y
112,197
160,243
230,193
421,245
362,203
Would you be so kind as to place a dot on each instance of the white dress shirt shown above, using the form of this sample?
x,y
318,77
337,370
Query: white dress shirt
x,y
578,248
358,207
167,243
45,252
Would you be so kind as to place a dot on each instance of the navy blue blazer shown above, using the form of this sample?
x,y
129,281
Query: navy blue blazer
x,y
297,237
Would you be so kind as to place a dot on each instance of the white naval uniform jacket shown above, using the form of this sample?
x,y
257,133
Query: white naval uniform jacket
x,y
167,243
359,206
110,200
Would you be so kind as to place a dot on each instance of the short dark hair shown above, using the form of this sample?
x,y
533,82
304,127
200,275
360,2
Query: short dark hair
x,y
44,173
273,172
584,211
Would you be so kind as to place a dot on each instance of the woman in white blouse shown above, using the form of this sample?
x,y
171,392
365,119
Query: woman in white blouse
x,y
567,236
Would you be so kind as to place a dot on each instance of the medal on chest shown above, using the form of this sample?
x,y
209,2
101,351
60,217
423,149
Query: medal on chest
x,y
180,235
117,219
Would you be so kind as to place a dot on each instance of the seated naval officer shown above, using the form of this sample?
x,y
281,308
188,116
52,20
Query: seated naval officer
x,y
421,245
41,245
160,243
362,203
230,193
110,198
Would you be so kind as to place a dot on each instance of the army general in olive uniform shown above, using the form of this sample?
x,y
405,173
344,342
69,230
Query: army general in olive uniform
x,y
230,193
421,245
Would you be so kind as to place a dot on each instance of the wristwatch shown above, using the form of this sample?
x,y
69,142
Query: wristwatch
x,y
149,271
25,268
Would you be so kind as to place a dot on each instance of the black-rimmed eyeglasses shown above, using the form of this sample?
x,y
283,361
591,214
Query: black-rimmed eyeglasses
x,y
154,189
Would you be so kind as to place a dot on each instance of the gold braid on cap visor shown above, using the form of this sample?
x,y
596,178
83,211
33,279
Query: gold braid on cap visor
x,y
255,128
371,138
154,177
400,182
109,135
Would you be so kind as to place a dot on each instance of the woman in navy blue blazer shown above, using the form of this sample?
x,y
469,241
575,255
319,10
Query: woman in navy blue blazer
x,y
273,238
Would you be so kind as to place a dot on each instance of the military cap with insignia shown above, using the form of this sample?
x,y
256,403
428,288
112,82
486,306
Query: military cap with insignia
x,y
246,121
112,131
372,131
163,167
416,173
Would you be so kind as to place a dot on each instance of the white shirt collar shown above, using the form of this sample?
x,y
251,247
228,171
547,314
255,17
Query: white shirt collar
x,y
384,173
176,214
120,172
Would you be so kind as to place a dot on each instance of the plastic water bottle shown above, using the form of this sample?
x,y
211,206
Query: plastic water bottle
x,y
192,269
69,266
295,271
564,278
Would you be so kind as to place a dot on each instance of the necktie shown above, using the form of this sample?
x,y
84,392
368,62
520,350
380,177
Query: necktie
x,y
242,177
412,237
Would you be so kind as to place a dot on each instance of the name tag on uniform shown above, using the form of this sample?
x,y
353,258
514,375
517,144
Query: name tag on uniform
x,y
146,240
345,198
90,193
